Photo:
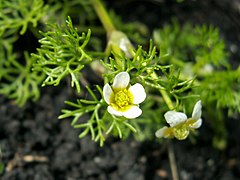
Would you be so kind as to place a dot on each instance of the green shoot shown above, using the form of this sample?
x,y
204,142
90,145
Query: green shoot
x,y
18,14
19,82
62,53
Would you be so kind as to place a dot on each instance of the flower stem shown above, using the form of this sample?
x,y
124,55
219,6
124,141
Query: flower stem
x,y
103,15
164,94
109,27
167,99
172,161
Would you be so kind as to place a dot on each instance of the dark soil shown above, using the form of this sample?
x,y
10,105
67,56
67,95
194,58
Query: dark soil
x,y
38,146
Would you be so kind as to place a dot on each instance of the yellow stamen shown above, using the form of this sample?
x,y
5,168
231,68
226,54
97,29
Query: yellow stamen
x,y
181,133
122,100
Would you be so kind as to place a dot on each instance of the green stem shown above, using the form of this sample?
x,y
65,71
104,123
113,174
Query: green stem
x,y
172,161
103,16
164,94
167,99
109,27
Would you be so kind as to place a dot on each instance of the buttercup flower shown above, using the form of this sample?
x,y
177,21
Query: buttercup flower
x,y
122,98
180,125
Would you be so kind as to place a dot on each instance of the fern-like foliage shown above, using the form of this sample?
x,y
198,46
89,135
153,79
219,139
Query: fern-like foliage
x,y
17,14
222,88
199,50
198,45
18,81
62,53
94,125
100,123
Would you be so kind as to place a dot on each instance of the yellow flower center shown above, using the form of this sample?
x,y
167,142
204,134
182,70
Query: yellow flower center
x,y
181,132
121,99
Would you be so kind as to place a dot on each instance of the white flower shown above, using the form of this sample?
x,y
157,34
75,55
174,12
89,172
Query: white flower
x,y
180,125
122,98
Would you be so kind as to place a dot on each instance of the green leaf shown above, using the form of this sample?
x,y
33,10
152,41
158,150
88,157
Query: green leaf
x,y
62,53
18,14
19,82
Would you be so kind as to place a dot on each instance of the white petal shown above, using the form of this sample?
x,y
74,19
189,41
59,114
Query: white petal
x,y
174,118
121,80
133,112
123,44
160,133
107,92
138,93
197,111
197,124
113,111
